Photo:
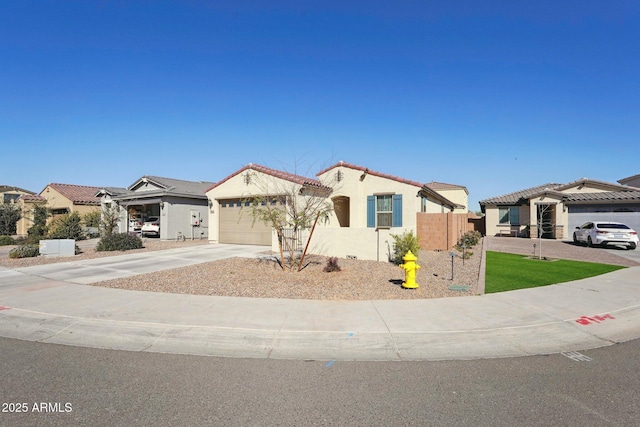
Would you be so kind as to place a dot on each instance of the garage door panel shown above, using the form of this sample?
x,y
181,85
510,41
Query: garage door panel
x,y
237,225
627,214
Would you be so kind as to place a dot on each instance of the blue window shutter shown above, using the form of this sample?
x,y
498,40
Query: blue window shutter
x,y
371,211
397,210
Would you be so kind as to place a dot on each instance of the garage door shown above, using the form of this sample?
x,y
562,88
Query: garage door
x,y
237,225
579,214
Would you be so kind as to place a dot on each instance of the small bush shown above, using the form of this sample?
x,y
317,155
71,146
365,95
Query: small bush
x,y
403,244
6,240
332,265
66,227
469,240
25,251
119,242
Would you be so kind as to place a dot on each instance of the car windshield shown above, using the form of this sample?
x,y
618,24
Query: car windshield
x,y
615,226
152,219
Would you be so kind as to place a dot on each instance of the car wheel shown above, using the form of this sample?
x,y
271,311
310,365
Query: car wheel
x,y
589,242
632,246
575,238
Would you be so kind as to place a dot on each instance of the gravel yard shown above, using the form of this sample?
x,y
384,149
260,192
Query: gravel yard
x,y
263,278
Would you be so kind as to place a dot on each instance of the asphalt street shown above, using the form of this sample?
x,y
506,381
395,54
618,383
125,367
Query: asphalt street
x,y
85,386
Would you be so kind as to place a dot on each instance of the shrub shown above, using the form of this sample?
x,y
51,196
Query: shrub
x,y
25,251
119,242
332,265
10,214
66,227
6,240
469,239
403,244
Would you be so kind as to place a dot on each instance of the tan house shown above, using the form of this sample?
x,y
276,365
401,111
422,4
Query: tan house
x,y
10,194
60,199
368,207
556,210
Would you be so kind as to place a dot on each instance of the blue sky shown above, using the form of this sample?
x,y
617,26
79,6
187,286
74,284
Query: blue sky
x,y
494,95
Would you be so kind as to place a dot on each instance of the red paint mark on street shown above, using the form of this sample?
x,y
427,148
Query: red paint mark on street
x,y
586,320
2,307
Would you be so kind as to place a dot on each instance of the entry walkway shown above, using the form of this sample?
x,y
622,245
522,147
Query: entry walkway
x,y
54,304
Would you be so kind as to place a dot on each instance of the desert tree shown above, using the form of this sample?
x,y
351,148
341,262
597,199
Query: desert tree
x,y
109,218
10,214
289,203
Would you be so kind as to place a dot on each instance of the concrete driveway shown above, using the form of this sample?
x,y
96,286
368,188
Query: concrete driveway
x,y
564,250
131,264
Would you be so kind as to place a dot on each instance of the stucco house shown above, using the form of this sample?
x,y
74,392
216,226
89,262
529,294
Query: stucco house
x,y
557,209
367,205
181,205
631,181
61,199
10,194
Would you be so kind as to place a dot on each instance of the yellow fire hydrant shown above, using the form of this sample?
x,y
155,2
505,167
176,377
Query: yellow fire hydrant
x,y
410,268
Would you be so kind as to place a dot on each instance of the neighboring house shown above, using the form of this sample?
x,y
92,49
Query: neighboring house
x,y
368,206
180,205
557,209
631,181
11,194
61,199
230,218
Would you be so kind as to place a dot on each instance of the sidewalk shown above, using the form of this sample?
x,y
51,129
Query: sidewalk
x,y
41,304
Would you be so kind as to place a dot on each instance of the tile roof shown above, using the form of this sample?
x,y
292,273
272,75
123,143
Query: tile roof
x,y
444,186
33,198
8,188
519,196
175,186
628,179
622,192
78,194
287,176
607,196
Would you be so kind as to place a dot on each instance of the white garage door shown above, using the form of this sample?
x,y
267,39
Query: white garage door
x,y
579,214
237,225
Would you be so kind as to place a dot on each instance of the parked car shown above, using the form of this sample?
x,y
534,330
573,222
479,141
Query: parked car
x,y
134,225
606,232
151,227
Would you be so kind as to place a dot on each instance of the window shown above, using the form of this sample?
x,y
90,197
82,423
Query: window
x,y
509,215
384,211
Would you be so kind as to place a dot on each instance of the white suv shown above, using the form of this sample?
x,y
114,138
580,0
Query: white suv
x,y
151,227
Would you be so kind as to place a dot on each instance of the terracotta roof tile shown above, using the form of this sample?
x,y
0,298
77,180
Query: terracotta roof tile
x,y
78,194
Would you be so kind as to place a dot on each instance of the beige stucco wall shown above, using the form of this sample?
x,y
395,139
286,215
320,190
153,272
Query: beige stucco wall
x,y
458,196
236,187
357,190
494,228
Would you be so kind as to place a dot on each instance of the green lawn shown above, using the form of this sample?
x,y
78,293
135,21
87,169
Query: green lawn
x,y
507,272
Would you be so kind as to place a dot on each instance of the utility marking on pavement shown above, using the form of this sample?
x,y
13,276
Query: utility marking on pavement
x,y
586,320
329,363
350,334
577,356
2,307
